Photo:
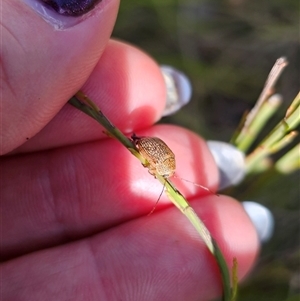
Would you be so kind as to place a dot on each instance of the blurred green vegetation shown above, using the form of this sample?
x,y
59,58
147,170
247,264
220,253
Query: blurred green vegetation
x,y
227,49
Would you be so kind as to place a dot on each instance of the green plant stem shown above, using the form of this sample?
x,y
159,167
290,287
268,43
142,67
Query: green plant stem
x,y
267,110
92,110
83,103
290,162
182,204
276,140
234,279
259,162
293,106
287,139
274,74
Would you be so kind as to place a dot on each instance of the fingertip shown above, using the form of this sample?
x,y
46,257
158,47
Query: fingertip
x,y
44,67
128,86
232,228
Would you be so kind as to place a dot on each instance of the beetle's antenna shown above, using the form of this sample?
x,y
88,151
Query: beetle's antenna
x,y
203,187
158,199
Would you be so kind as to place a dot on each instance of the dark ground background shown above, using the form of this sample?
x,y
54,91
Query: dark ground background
x,y
227,49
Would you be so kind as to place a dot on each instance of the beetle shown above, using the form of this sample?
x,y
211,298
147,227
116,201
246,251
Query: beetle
x,y
160,157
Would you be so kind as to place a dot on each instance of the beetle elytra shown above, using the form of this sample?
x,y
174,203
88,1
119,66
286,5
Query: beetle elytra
x,y
159,156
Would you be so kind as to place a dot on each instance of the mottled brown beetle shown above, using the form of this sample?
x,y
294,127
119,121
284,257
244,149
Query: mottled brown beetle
x,y
159,156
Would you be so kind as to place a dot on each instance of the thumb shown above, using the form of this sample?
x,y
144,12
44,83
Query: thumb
x,y
46,57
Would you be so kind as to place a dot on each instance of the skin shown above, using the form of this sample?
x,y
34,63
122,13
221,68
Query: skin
x,y
74,202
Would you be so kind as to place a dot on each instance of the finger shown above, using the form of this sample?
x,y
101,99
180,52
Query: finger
x,y
160,257
43,67
128,87
59,195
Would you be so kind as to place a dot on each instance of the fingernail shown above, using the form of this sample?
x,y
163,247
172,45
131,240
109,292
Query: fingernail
x,y
230,162
179,89
63,13
261,218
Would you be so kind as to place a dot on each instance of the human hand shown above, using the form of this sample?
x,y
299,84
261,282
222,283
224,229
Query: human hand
x,y
75,202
